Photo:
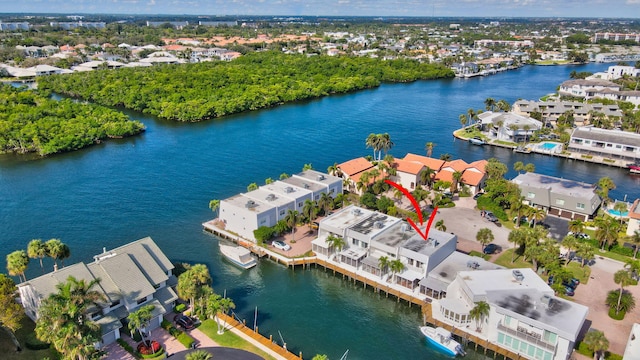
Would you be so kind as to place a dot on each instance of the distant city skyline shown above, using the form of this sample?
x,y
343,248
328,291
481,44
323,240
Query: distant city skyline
x,y
382,8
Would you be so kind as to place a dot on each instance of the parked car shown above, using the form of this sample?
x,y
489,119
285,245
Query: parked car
x,y
568,291
476,196
572,283
489,216
523,220
281,245
490,249
184,322
579,235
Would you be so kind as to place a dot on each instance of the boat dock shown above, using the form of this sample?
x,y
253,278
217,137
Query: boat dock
x,y
366,282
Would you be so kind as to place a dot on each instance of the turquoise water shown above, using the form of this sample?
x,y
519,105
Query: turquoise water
x,y
617,212
159,184
548,145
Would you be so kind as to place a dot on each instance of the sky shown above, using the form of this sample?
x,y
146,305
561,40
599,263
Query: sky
x,y
382,8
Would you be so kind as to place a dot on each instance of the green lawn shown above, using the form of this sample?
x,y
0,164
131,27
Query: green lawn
x,y
229,339
7,348
505,260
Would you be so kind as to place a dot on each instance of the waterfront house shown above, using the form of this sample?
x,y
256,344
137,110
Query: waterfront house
x,y
568,199
131,276
581,87
508,126
352,170
243,213
613,144
525,316
552,110
634,218
431,163
407,173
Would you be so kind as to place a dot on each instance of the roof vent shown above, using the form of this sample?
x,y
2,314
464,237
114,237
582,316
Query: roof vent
x,y
288,189
473,264
378,224
546,300
356,211
320,177
271,197
517,274
306,186
405,227
250,204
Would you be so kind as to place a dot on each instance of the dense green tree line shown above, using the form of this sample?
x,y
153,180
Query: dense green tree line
x,y
32,122
195,92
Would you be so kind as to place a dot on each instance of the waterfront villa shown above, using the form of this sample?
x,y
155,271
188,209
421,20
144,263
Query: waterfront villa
x,y
508,126
130,276
581,88
634,218
552,110
616,72
270,203
407,173
568,199
613,144
352,169
525,316
473,175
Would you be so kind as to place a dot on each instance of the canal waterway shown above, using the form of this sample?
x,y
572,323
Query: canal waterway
x,y
159,184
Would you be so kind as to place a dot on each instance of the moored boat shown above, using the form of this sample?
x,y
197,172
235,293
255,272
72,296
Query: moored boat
x,y
634,168
238,256
441,339
522,149
477,141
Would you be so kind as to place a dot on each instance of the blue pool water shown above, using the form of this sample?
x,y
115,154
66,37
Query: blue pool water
x,y
617,213
548,145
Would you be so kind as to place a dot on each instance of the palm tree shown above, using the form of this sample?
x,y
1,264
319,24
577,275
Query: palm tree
x,y
383,264
373,141
190,281
217,305
292,218
65,253
385,144
251,187
336,242
503,105
55,250
36,249
490,103
268,181
426,176
198,355
484,236
585,251
325,203
517,206
63,320
530,168
429,147
472,114
284,176
334,170
214,205
576,226
310,211
596,342
396,266
463,120
457,177
570,242
620,207
17,263
622,301
536,215
623,278
605,184
479,312
519,238
139,319
12,313
306,167
607,231
440,225
518,166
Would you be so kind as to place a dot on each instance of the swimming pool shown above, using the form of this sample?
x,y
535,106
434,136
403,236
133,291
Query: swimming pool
x,y
617,213
550,147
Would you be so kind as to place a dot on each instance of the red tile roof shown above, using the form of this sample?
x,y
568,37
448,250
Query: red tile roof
x,y
408,167
456,165
634,211
355,166
431,163
471,177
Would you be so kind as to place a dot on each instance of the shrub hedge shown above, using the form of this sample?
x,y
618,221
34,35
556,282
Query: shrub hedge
x,y
33,343
128,348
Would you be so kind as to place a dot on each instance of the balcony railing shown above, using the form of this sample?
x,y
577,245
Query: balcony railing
x,y
528,338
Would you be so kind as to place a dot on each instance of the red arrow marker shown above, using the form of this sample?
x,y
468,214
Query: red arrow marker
x,y
418,211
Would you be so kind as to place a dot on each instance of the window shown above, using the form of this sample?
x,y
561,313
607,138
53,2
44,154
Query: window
x,y
550,337
618,146
507,320
531,195
559,202
281,212
333,191
580,206
140,301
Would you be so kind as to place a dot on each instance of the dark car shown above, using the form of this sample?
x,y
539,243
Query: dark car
x,y
476,196
489,216
568,291
184,322
490,249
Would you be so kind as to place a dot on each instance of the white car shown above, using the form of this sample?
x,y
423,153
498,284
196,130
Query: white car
x,y
281,245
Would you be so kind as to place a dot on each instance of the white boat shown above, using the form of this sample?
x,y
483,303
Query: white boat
x,y
442,340
239,256
477,141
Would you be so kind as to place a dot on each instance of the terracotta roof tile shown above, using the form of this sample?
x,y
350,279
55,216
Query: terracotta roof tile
x,y
409,167
634,211
355,166
472,178
431,163
456,165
